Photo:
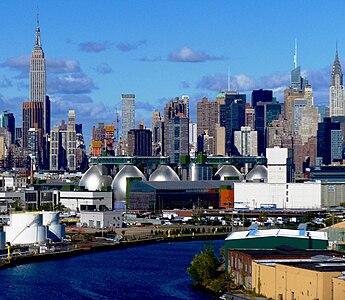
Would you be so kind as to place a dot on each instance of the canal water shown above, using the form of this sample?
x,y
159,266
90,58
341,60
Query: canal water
x,y
156,271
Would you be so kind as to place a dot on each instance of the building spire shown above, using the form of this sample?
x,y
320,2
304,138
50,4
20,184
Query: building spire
x,y
38,33
336,69
336,47
295,55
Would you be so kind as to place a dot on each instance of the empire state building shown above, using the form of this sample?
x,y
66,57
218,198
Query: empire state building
x,y
38,80
36,113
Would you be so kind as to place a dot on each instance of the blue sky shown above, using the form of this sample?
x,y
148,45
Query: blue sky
x,y
97,50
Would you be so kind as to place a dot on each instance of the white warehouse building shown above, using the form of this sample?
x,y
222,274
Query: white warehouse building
x,y
277,195
86,200
271,190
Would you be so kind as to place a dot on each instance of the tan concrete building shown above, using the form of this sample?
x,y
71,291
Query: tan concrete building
x,y
339,287
289,99
304,279
220,140
310,118
246,141
250,116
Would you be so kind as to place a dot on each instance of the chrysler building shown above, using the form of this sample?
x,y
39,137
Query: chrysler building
x,y
336,89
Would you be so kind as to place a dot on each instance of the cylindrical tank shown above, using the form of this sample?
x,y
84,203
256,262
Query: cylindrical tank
x,y
119,184
26,228
2,239
229,171
200,172
56,230
164,173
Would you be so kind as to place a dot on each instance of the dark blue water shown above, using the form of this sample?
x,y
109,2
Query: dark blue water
x,y
146,272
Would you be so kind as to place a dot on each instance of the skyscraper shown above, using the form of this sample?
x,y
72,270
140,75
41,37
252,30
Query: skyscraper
x,y
298,83
171,109
177,129
261,96
207,119
7,120
246,141
157,127
38,78
128,114
140,141
63,145
32,118
265,113
326,140
71,142
235,105
336,90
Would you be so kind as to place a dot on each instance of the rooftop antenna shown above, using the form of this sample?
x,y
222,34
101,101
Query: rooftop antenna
x,y
336,47
295,55
37,18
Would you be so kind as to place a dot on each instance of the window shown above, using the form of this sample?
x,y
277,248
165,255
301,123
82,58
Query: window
x,y
177,131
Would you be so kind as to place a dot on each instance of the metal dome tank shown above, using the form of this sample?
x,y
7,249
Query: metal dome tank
x,y
228,171
258,173
164,173
120,180
94,178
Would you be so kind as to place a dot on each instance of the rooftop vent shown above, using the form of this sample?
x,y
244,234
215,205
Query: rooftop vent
x,y
253,229
302,229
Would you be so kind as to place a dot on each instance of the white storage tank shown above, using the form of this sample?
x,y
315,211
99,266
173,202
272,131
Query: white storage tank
x,y
26,228
55,230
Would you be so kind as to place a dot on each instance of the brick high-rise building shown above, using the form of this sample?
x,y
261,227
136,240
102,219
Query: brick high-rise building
x,y
173,108
140,142
32,118
207,119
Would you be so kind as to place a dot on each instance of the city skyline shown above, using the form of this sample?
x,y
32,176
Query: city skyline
x,y
158,51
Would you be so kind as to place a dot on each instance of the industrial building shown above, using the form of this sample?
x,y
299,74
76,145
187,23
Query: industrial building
x,y
159,195
86,200
271,239
102,219
321,277
240,260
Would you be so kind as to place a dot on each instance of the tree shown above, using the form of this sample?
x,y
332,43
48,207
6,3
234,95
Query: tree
x,y
203,268
308,217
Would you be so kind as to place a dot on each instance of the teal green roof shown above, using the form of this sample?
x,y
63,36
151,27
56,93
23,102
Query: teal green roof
x,y
221,95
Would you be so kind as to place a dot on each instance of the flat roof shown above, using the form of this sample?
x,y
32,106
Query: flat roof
x,y
182,185
239,235
281,252
333,265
